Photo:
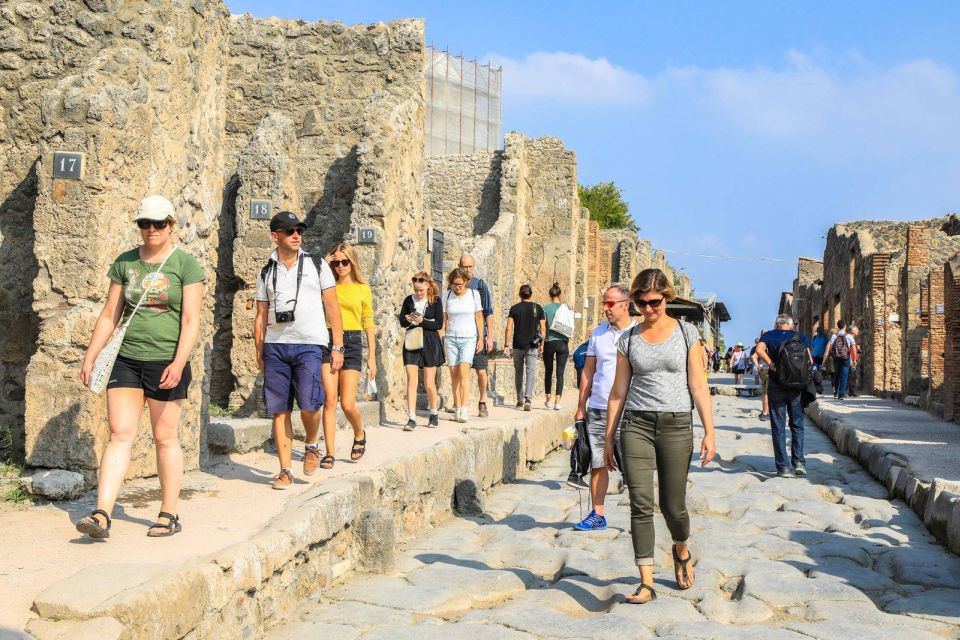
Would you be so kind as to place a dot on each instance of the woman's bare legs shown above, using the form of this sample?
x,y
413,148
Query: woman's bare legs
x,y
430,384
331,383
124,407
412,380
165,418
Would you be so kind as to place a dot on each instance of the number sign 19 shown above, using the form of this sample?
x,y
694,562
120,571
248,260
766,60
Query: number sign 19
x,y
67,165
261,209
367,235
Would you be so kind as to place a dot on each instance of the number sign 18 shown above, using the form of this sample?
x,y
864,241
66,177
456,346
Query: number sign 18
x,y
261,209
67,165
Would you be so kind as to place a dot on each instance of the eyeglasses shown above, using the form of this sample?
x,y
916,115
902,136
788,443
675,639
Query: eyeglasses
x,y
653,304
156,224
340,263
458,285
610,304
416,280
294,230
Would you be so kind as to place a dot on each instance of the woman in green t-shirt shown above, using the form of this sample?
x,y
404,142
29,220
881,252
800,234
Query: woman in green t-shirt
x,y
152,363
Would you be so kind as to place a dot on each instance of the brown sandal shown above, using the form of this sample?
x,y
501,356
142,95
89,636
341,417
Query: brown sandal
x,y
635,598
359,447
90,526
680,569
172,526
326,462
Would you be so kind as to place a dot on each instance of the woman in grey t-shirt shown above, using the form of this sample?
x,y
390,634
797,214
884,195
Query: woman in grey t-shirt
x,y
658,381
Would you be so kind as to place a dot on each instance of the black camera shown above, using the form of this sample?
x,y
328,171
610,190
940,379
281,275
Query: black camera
x,y
536,340
284,316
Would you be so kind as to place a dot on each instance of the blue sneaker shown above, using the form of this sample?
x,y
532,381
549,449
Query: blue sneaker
x,y
592,522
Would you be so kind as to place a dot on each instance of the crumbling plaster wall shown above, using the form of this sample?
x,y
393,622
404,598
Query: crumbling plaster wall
x,y
143,106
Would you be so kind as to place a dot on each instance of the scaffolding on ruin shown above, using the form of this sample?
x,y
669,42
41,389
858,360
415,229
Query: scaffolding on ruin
x,y
464,105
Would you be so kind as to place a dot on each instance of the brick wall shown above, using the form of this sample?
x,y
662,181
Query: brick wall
x,y
951,361
936,341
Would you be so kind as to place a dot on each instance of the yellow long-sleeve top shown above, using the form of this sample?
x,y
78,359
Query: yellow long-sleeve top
x,y
356,306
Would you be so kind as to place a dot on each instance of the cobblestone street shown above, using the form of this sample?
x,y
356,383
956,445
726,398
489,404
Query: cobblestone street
x,y
827,556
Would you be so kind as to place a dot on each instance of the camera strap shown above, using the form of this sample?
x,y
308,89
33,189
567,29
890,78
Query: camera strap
x,y
300,260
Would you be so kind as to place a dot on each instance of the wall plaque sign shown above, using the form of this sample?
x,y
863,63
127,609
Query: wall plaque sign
x,y
367,235
67,165
939,308
261,209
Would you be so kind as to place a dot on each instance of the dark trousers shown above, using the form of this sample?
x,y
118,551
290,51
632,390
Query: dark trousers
x,y
784,405
662,442
841,371
559,350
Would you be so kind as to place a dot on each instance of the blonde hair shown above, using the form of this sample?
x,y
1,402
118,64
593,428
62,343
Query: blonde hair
x,y
432,289
652,280
348,251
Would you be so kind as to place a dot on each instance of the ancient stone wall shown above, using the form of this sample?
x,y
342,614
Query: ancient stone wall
x,y
951,349
935,343
138,100
808,295
336,84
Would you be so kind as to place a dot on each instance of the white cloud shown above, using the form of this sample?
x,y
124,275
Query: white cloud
x,y
571,78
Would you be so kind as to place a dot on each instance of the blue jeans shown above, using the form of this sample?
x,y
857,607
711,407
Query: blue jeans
x,y
784,404
841,372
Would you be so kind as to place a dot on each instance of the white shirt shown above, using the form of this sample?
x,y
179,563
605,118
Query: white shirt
x,y
310,325
420,305
851,342
460,310
603,347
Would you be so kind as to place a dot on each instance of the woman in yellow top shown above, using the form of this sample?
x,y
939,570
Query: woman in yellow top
x,y
356,308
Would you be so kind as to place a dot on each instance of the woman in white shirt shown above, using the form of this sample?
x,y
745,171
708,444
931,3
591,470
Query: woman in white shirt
x,y
463,335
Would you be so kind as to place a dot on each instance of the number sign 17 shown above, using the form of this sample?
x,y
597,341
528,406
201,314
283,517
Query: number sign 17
x,y
68,165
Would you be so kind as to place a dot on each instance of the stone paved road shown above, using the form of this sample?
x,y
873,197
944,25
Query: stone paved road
x,y
824,557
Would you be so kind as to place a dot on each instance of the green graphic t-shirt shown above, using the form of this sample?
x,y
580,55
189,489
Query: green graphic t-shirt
x,y
155,329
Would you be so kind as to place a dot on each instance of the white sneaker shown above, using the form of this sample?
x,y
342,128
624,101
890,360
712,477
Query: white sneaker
x,y
463,415
556,406
548,405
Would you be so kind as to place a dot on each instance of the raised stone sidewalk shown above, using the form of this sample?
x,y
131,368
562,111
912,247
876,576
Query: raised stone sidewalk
x,y
247,554
915,455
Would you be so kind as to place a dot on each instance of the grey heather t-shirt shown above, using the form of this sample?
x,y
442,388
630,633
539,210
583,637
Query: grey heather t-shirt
x,y
659,370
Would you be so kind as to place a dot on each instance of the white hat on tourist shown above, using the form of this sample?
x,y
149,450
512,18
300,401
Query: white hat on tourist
x,y
155,208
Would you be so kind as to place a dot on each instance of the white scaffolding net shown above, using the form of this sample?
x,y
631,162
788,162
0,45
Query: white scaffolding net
x,y
463,105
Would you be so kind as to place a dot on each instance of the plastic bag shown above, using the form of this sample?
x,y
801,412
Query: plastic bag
x,y
569,436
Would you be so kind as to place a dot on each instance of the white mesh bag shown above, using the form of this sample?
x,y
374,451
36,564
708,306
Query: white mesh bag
x,y
103,365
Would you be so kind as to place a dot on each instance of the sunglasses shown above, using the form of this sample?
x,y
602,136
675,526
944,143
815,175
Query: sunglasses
x,y
340,263
653,304
156,224
295,230
610,304
416,280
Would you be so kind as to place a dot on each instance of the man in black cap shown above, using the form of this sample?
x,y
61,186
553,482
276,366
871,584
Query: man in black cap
x,y
295,297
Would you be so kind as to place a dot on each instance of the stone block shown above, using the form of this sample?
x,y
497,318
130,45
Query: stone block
x,y
376,535
942,498
96,629
953,529
239,435
53,484
467,498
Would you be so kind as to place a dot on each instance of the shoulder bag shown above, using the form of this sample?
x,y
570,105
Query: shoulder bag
x,y
103,365
413,338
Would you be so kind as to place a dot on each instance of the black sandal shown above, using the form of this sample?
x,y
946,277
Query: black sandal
x,y
89,525
653,594
682,565
172,527
359,448
326,462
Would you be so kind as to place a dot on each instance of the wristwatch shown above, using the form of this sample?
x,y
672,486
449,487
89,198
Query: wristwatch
x,y
337,348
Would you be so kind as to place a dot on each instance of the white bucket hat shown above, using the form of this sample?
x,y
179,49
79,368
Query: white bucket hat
x,y
155,208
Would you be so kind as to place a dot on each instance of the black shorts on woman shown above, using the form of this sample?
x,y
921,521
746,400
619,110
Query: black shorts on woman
x,y
128,373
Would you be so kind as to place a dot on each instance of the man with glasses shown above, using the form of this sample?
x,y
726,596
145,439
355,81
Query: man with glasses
x,y
468,264
596,380
295,296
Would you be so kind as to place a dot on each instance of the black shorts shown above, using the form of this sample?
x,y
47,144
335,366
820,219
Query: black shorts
x,y
431,355
352,351
480,359
139,374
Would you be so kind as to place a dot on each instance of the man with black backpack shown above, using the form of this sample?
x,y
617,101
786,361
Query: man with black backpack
x,y
840,348
787,353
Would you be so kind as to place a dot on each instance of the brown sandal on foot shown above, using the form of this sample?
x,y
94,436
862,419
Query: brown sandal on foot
x,y
680,569
635,598
359,447
172,526
90,526
326,462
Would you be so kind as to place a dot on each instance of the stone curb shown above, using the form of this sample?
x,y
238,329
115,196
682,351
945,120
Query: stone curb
x,y
242,590
937,503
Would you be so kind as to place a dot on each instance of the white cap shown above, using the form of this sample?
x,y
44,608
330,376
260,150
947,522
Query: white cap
x,y
155,208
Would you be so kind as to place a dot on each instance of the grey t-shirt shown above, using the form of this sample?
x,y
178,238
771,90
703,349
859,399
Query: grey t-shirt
x,y
659,370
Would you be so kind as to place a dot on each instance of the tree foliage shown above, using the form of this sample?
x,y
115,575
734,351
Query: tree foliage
x,y
606,205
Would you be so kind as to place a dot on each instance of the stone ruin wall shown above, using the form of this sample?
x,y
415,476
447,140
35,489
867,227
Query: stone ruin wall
x,y
164,98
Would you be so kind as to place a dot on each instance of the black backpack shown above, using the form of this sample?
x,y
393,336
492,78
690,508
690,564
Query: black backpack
x,y
793,364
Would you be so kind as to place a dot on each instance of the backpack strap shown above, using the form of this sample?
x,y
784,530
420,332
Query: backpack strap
x,y
686,359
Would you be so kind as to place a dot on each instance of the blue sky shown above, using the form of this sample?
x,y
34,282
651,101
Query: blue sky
x,y
734,128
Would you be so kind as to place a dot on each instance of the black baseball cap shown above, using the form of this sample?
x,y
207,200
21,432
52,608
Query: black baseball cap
x,y
285,220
